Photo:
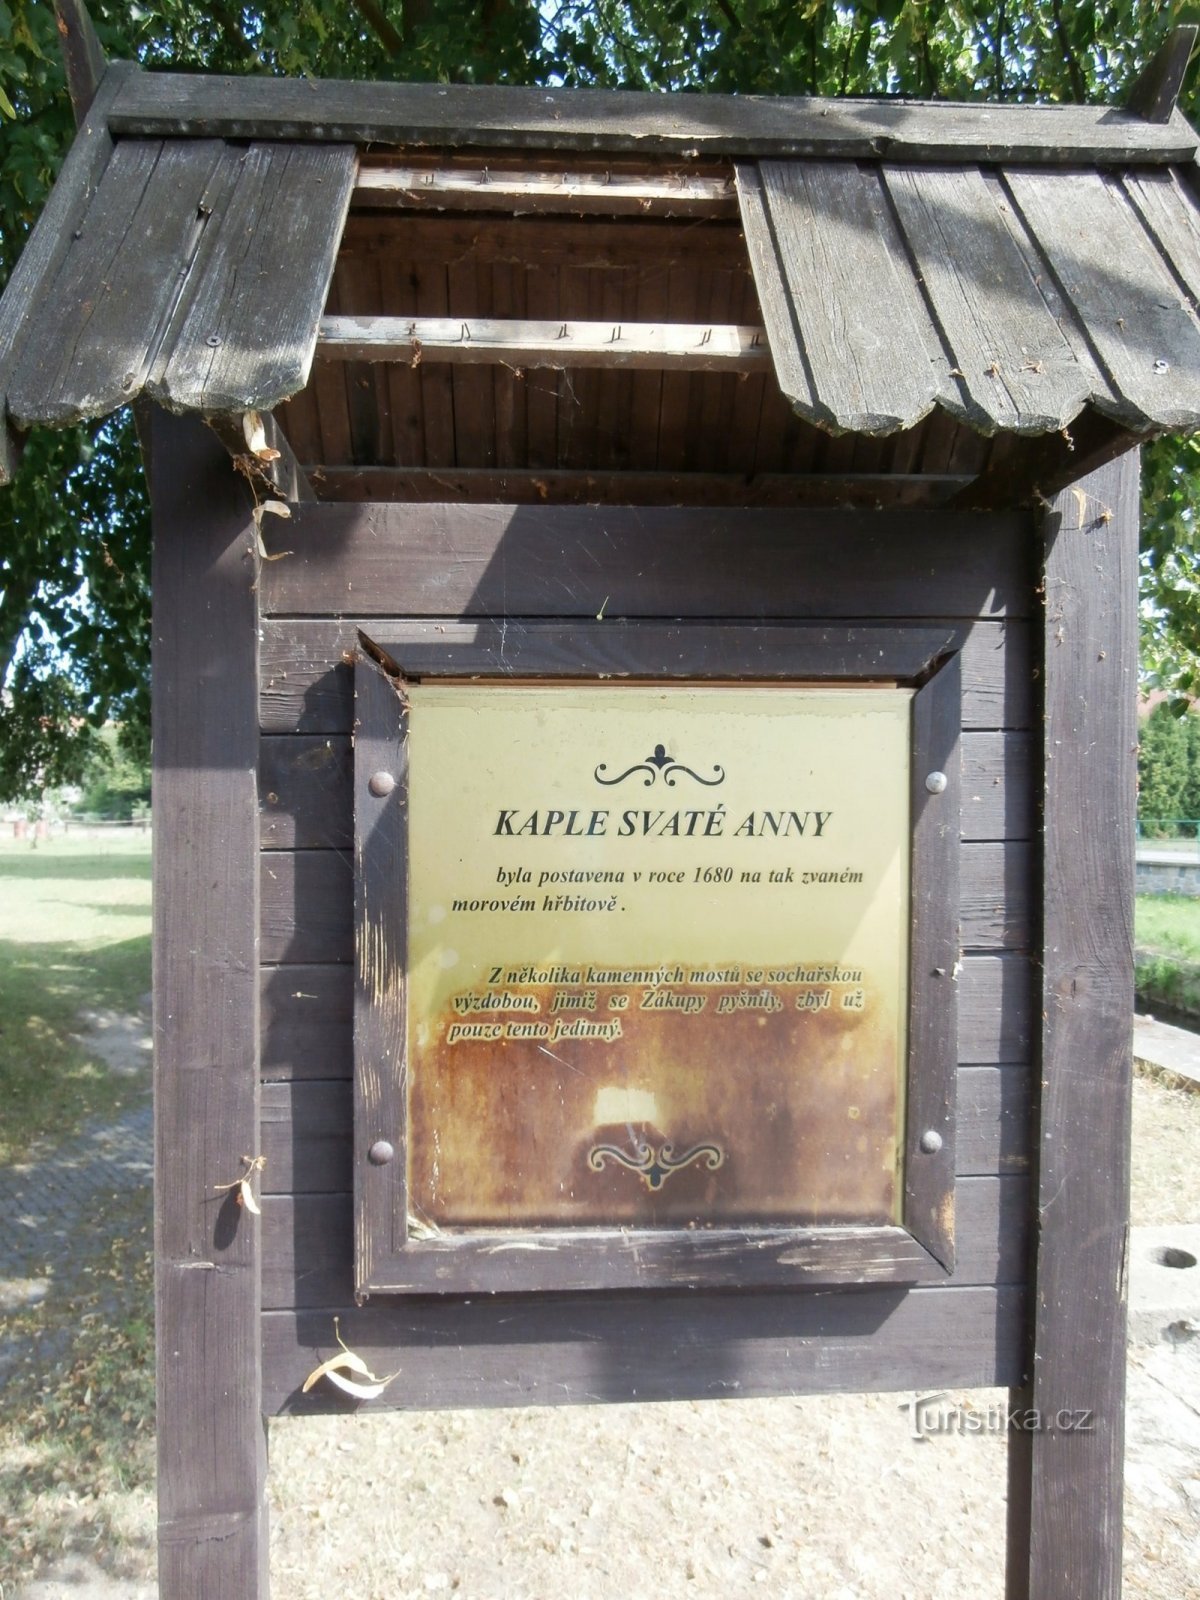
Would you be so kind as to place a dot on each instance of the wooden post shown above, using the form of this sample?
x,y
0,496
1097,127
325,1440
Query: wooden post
x,y
1065,1481
211,1438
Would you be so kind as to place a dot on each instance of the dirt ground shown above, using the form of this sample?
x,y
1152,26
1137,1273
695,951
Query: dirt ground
x,y
814,1499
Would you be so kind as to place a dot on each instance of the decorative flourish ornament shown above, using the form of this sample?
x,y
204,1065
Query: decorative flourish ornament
x,y
660,764
653,1166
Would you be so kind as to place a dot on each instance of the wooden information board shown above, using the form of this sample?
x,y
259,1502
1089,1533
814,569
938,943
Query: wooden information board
x,y
658,945
658,997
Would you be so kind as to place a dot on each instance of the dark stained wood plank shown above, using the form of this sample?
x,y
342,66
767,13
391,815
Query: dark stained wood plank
x,y
1018,372
479,117
711,404
590,1349
540,244
247,336
748,391
994,1111
307,1014
307,906
308,1136
1156,91
507,300
308,1128
541,387
651,304
568,560
306,685
298,419
882,368
1076,1477
474,411
308,1249
576,390
997,1017
307,897
211,1444
82,54
32,278
1028,471
405,402
367,408
939,434
327,385
381,968
1144,333
307,1022
304,790
642,486
997,786
933,1208
437,390
996,896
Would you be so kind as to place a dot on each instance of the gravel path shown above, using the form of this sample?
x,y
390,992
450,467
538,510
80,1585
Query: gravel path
x,y
827,1498
53,1202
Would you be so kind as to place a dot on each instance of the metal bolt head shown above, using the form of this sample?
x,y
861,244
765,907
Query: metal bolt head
x,y
931,1141
380,1153
381,784
936,782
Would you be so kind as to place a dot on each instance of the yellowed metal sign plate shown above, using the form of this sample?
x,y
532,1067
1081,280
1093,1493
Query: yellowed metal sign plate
x,y
657,953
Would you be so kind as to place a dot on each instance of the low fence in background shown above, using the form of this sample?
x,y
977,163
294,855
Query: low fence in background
x,y
1168,856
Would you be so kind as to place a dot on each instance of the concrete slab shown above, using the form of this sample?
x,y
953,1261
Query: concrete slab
x,y
1167,1053
1164,1284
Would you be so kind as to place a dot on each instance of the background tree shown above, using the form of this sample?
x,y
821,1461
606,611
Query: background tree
x,y
1164,770
74,539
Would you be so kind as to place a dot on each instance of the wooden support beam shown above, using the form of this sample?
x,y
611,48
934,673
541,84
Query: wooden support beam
x,y
82,53
691,347
482,485
1037,468
1156,93
481,188
211,1440
685,127
1066,1473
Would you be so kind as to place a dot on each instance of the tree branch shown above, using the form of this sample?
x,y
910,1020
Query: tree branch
x,y
1074,70
373,15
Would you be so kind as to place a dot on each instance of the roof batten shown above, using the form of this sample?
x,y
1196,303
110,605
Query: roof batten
x,y
695,347
480,116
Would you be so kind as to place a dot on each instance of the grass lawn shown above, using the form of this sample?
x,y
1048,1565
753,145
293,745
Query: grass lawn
x,y
1169,924
77,1411
74,935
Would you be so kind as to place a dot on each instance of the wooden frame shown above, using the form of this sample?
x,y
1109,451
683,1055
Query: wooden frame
x,y
388,1258
212,1506
1066,1473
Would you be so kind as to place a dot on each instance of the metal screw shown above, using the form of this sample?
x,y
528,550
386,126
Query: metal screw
x,y
381,784
213,339
936,782
380,1153
931,1141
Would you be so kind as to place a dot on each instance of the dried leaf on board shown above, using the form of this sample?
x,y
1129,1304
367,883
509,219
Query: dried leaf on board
x,y
347,1361
256,437
274,508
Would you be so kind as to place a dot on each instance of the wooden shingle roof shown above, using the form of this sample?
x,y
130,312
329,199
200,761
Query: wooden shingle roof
x,y
1009,266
